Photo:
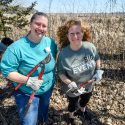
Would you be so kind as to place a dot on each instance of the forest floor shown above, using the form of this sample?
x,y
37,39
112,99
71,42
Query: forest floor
x,y
106,106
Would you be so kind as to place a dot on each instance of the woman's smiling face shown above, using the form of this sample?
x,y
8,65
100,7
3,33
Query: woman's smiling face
x,y
75,34
39,26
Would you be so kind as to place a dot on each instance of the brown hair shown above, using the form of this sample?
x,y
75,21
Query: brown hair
x,y
34,17
63,31
37,14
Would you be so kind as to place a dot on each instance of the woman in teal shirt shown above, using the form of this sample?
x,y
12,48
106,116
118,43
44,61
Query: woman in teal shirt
x,y
17,62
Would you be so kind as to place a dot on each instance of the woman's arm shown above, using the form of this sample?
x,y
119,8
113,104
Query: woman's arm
x,y
98,64
65,79
17,77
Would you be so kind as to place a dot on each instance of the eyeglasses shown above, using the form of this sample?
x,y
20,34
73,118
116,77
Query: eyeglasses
x,y
73,34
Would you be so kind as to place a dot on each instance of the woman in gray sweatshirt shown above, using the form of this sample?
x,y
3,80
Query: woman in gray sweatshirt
x,y
78,62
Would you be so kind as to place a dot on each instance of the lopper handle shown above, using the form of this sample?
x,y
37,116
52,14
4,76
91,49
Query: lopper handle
x,y
28,75
88,82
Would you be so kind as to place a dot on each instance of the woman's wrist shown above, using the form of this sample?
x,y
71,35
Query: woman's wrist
x,y
68,81
65,79
98,68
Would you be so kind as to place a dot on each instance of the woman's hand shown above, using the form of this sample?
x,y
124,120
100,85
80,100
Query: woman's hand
x,y
72,85
34,83
98,75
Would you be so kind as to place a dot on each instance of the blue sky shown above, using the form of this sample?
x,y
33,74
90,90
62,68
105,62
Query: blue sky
x,y
76,6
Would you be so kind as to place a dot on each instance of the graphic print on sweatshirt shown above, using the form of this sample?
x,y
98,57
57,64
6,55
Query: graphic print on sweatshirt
x,y
81,66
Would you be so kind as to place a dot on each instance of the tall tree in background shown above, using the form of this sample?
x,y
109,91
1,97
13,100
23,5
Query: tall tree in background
x,y
13,16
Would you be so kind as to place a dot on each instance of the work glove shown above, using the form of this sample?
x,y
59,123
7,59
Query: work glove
x,y
34,83
98,75
72,85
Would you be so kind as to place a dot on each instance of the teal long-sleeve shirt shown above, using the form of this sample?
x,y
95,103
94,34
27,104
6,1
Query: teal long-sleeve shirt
x,y
23,55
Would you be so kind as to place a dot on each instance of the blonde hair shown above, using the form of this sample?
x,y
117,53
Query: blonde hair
x,y
63,31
